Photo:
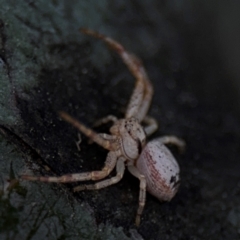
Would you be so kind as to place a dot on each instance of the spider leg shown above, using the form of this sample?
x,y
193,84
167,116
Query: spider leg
x,y
142,193
105,136
104,142
179,143
137,96
120,167
147,98
151,125
109,165
136,68
105,120
108,137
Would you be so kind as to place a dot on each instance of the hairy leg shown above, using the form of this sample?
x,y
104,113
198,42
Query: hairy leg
x,y
142,192
151,125
147,98
105,120
135,67
173,140
120,167
107,144
109,165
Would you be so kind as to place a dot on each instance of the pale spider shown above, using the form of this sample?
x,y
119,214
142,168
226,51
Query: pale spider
x,y
153,164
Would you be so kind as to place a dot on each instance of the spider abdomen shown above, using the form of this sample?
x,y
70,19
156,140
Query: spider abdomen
x,y
160,169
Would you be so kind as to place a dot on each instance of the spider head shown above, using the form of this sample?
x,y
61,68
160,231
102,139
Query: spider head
x,y
133,138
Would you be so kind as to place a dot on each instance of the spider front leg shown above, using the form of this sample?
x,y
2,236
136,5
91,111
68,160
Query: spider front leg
x,y
120,168
107,142
109,165
142,192
135,67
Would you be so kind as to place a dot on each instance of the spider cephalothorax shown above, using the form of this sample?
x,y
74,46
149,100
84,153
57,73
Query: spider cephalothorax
x,y
132,137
